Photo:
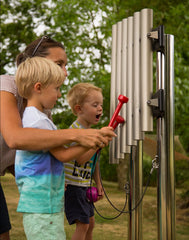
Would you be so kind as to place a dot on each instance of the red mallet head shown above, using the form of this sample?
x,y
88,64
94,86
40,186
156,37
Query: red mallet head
x,y
119,119
92,194
122,99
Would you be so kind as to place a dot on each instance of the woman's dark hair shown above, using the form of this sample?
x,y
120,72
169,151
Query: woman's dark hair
x,y
39,48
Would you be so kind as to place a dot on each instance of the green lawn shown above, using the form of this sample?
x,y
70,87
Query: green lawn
x,y
105,229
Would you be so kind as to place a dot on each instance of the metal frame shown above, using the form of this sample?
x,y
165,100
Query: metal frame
x,y
133,42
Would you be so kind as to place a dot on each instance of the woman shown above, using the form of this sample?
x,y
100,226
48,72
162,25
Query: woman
x,y
13,136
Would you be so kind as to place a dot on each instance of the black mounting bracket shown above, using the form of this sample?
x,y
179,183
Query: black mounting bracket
x,y
158,104
158,40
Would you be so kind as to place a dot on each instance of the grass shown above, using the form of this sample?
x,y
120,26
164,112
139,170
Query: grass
x,y
105,229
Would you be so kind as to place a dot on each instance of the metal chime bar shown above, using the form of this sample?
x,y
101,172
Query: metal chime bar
x,y
124,147
137,134
147,70
118,88
131,76
112,158
142,89
129,91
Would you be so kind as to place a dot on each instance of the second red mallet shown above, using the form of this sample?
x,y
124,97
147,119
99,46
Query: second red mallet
x,y
119,120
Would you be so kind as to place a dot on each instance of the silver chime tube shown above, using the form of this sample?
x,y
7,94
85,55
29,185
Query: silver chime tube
x,y
129,110
113,99
137,133
124,147
118,87
147,69
142,88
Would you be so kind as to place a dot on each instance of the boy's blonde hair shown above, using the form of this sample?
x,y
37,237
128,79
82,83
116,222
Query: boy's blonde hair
x,y
78,93
37,69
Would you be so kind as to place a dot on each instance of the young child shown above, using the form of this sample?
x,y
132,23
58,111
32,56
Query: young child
x,y
39,175
86,102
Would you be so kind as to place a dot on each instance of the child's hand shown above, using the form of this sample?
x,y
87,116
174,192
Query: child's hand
x,y
107,138
100,193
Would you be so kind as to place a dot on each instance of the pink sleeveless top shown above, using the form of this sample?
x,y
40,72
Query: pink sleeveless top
x,y
7,155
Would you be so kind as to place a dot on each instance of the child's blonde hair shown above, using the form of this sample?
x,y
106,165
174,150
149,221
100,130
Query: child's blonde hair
x,y
37,69
78,93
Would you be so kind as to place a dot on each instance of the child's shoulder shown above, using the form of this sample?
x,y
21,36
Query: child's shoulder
x,y
34,118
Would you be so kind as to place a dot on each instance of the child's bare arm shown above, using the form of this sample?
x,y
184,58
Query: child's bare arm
x,y
67,154
86,156
98,182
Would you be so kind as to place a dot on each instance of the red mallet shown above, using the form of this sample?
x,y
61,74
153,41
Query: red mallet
x,y
119,119
122,99
92,194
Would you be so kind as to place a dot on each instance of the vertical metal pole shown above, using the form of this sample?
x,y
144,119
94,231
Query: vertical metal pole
x,y
138,190
169,117
161,145
137,133
132,199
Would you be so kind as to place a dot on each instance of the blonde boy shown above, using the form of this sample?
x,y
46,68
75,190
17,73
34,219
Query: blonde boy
x,y
86,102
39,175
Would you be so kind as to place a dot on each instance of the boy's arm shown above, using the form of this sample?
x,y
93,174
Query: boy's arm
x,y
86,156
67,154
98,182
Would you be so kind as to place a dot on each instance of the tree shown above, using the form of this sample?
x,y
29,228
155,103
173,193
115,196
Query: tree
x,y
19,21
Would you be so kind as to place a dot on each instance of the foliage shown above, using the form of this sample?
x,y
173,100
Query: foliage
x,y
108,171
182,174
147,166
19,20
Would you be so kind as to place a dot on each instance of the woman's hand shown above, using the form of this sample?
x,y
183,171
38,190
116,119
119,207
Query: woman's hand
x,y
95,138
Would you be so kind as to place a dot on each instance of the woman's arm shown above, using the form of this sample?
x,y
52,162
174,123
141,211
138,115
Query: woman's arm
x,y
38,139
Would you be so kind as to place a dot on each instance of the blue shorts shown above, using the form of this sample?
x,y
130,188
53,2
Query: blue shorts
x,y
77,207
5,225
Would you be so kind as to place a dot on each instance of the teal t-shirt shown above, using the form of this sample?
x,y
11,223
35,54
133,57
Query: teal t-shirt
x,y
39,176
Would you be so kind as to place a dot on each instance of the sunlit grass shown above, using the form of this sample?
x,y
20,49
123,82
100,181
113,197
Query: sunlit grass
x,y
104,229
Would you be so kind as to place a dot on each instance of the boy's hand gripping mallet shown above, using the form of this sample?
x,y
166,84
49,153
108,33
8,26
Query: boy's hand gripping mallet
x,y
122,99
